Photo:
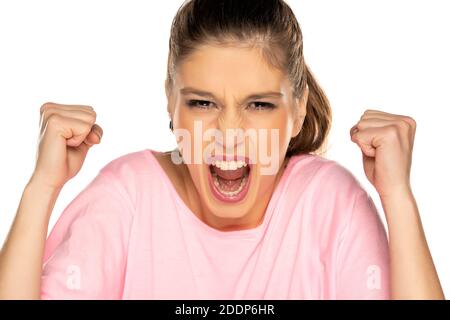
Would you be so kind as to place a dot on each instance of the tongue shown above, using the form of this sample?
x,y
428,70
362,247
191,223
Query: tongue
x,y
230,174
228,185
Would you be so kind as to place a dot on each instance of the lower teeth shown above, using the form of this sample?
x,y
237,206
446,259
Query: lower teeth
x,y
229,193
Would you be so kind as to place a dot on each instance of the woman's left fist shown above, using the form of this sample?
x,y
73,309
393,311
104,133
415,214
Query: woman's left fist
x,y
386,141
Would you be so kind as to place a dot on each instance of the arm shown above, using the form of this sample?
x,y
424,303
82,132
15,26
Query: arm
x,y
66,134
386,141
412,270
22,253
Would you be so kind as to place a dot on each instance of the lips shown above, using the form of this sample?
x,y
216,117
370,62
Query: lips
x,y
229,177
229,174
223,157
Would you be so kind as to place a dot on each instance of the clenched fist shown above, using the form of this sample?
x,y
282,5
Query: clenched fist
x,y
386,141
66,134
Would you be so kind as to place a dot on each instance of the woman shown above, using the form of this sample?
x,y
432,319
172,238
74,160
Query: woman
x,y
246,208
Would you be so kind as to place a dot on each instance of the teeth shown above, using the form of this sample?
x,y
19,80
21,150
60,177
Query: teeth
x,y
229,193
229,165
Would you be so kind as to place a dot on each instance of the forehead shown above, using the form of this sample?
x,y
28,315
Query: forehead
x,y
229,68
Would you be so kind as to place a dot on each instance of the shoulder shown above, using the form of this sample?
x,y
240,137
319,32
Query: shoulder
x,y
104,209
330,197
326,175
129,164
132,173
328,188
130,167
114,186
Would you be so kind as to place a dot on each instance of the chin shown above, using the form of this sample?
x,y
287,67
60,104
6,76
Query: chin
x,y
226,212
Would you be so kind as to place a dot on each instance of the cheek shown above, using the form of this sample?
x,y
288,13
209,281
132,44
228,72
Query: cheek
x,y
277,127
285,124
183,117
193,122
185,124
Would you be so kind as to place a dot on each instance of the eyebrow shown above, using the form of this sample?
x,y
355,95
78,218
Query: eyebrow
x,y
253,96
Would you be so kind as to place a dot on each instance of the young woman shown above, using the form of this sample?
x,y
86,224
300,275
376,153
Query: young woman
x,y
259,216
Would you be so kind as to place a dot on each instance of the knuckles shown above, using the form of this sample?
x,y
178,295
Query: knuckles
x,y
45,106
410,121
50,106
401,120
398,128
54,120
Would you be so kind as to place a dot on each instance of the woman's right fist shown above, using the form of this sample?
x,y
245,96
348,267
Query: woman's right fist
x,y
66,134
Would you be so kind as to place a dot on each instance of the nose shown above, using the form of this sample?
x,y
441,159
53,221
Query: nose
x,y
230,133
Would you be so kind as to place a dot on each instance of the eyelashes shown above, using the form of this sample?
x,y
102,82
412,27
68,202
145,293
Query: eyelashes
x,y
255,105
202,104
260,105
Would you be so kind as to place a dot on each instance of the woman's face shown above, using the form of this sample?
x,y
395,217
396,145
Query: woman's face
x,y
228,101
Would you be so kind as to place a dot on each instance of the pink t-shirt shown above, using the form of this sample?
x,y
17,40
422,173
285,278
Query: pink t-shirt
x,y
129,235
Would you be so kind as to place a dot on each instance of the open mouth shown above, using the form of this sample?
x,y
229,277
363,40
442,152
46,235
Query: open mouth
x,y
229,180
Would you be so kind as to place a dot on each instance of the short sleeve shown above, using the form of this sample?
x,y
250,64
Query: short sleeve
x,y
363,254
85,253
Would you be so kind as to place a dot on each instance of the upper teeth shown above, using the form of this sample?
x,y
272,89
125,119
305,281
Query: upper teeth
x,y
229,165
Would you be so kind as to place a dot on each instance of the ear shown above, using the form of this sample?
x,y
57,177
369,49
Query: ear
x,y
168,96
300,112
166,87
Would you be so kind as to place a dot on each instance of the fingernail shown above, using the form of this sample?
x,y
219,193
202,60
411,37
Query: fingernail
x,y
98,133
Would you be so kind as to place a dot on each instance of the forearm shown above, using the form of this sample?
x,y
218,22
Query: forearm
x,y
413,274
22,253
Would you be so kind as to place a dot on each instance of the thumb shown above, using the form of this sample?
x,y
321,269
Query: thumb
x,y
363,138
77,155
93,137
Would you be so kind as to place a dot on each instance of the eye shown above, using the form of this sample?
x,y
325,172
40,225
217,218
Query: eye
x,y
201,104
259,105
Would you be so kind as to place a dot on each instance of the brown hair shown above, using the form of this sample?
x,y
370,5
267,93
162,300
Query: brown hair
x,y
266,24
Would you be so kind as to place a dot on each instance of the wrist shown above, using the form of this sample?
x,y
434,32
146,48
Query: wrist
x,y
40,184
41,192
36,205
400,207
396,193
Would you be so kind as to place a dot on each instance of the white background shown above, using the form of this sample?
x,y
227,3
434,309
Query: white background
x,y
386,55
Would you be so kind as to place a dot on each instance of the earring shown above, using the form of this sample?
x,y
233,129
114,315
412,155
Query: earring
x,y
171,125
